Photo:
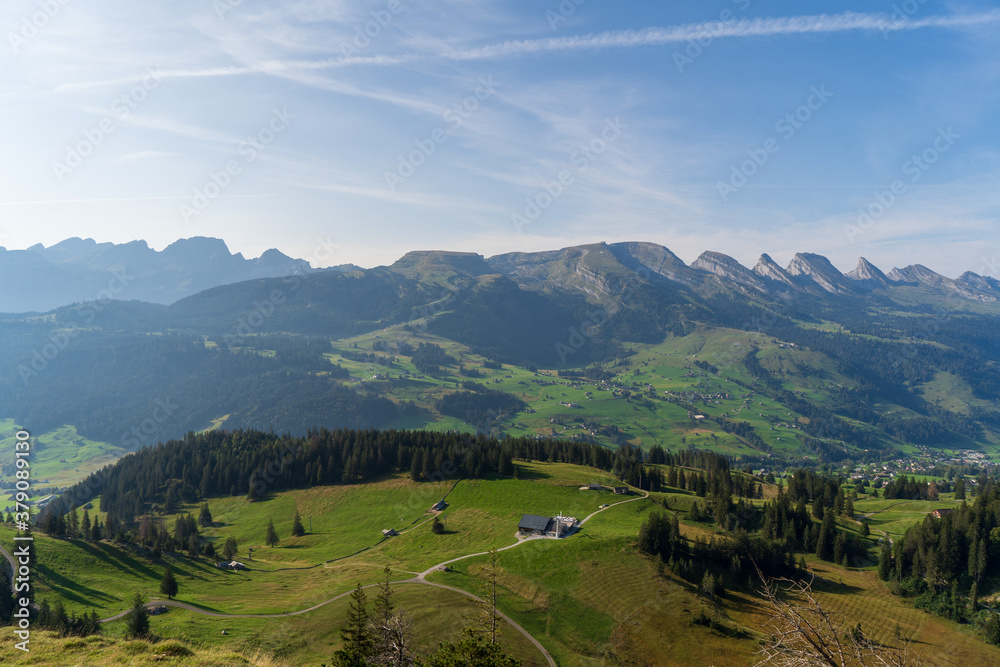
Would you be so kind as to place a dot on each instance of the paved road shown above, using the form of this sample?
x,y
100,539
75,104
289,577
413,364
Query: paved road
x,y
419,579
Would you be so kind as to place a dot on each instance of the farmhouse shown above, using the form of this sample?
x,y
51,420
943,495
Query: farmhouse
x,y
621,490
559,526
438,506
389,532
937,514
532,524
595,487
234,565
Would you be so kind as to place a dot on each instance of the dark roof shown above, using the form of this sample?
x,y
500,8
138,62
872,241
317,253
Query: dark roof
x,y
534,522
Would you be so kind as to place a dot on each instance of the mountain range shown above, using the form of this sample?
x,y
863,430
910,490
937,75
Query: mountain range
x,y
883,360
40,279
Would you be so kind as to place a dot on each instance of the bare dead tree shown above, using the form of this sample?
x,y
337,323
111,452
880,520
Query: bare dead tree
x,y
804,634
395,645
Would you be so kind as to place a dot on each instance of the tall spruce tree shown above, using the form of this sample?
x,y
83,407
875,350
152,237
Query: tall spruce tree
x,y
357,635
271,538
168,584
205,516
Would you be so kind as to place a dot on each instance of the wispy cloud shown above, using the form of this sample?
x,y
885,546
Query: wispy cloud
x,y
104,200
760,27
618,39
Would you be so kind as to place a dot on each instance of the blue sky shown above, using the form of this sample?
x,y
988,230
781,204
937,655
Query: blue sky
x,y
356,131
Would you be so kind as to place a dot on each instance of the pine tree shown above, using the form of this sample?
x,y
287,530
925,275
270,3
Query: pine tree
x,y
58,620
74,523
885,562
708,584
383,602
137,619
205,516
489,628
471,650
297,529
358,640
85,525
194,546
168,584
271,538
230,549
865,530
437,527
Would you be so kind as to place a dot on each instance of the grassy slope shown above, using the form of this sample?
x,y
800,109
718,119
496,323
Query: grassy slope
x,y
591,599
654,373
80,456
655,370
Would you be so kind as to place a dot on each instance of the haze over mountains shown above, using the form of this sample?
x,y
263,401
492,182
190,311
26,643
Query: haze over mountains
x,y
40,278
910,355
76,270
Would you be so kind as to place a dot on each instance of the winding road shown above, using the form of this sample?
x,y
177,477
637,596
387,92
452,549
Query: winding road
x,y
418,579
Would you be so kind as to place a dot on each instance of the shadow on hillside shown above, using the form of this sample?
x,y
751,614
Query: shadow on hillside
x,y
827,586
529,473
117,559
71,590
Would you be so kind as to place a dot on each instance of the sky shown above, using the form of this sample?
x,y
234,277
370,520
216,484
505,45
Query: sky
x,y
353,132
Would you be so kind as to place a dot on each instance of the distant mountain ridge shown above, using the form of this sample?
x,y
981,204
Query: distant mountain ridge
x,y
40,279
74,270
924,345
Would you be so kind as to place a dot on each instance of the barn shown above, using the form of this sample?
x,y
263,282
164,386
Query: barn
x,y
532,524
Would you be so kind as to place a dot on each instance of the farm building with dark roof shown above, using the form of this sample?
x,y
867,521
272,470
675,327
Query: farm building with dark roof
x,y
534,524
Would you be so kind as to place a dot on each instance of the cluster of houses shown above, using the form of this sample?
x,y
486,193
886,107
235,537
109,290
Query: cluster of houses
x,y
232,565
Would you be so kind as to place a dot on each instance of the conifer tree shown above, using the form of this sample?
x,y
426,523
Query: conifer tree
x,y
230,549
168,584
358,641
205,516
137,619
85,525
297,529
271,538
